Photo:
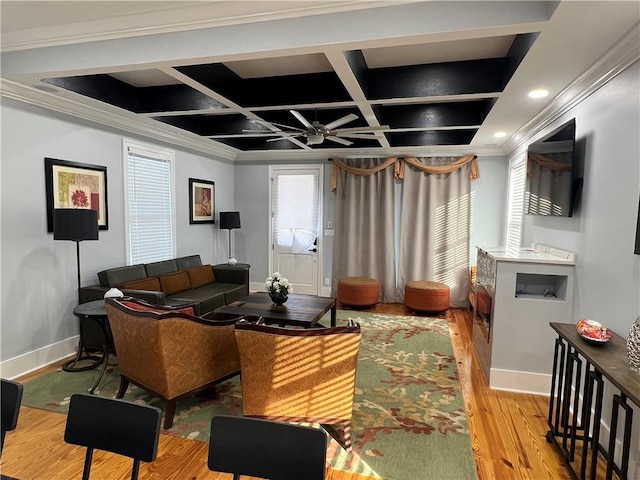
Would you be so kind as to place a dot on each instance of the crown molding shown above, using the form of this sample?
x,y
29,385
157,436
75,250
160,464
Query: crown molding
x,y
621,56
164,133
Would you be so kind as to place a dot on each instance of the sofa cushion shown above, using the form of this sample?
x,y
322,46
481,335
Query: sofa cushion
x,y
185,263
156,269
208,297
114,276
200,276
234,292
174,282
149,284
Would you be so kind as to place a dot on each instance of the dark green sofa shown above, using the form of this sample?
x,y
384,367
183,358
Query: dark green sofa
x,y
174,282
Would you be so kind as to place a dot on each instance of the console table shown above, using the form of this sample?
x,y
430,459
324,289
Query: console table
x,y
579,371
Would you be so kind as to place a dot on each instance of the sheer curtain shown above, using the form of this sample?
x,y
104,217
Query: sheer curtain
x,y
434,228
364,231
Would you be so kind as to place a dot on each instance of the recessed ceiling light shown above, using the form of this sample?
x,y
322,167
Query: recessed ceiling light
x,y
500,134
538,93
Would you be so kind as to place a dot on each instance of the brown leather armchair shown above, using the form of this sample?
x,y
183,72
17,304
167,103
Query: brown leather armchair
x,y
300,375
169,352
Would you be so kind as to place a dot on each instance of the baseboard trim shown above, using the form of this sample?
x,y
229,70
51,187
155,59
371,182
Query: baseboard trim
x,y
520,382
31,361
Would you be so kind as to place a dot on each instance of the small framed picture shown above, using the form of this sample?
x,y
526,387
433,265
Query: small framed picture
x,y
201,201
75,185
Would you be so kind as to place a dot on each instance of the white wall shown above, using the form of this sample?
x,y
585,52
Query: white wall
x,y
602,230
488,200
38,274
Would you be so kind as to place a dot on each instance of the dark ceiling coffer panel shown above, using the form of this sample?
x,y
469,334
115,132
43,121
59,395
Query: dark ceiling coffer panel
x,y
306,88
438,79
434,115
433,137
108,89
208,125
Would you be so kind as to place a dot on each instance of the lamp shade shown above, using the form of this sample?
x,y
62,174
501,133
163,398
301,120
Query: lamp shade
x,y
75,224
229,220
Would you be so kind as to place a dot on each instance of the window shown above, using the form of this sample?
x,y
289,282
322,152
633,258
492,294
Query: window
x,y
517,171
149,200
295,207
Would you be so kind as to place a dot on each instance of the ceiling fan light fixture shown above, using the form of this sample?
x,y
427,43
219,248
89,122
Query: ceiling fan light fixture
x,y
315,139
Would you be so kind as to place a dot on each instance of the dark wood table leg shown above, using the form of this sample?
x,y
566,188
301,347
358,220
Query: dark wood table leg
x,y
70,366
333,314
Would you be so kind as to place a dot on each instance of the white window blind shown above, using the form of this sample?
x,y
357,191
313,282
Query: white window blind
x,y
295,210
517,172
149,204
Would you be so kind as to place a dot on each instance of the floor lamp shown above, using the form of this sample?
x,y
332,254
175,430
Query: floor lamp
x,y
229,221
76,224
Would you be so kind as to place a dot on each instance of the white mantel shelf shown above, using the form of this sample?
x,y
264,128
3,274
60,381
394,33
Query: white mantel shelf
x,y
536,254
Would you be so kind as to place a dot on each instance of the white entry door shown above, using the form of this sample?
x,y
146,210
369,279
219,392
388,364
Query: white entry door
x,y
295,225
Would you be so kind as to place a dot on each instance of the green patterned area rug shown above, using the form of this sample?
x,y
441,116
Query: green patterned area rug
x,y
409,421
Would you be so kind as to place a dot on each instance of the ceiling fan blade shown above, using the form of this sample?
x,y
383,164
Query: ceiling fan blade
x,y
285,137
288,127
265,132
356,135
300,118
271,132
341,121
338,140
361,129
269,125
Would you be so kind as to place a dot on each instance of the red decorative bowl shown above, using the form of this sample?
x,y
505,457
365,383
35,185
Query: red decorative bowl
x,y
593,331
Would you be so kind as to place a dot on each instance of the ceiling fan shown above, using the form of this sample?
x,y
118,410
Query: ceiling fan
x,y
315,132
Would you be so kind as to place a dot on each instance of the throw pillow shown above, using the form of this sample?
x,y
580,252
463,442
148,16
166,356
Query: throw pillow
x,y
174,282
150,308
150,284
202,275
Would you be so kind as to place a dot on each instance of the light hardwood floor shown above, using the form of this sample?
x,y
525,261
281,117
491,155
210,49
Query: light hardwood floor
x,y
507,434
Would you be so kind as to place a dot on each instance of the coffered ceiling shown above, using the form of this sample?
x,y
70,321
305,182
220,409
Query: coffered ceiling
x,y
223,78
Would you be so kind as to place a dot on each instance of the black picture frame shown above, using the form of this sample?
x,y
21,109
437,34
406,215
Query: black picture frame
x,y
202,201
76,185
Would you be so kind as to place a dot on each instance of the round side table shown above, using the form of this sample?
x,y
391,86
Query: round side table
x,y
93,319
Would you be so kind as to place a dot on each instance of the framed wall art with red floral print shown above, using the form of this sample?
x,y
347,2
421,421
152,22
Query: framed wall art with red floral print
x,y
76,185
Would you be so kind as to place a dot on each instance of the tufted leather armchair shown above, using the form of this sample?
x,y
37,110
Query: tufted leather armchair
x,y
168,351
300,374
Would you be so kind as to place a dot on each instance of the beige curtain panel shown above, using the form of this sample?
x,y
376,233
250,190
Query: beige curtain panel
x,y
435,224
364,243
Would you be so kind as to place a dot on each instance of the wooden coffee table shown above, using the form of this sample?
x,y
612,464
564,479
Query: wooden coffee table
x,y
299,311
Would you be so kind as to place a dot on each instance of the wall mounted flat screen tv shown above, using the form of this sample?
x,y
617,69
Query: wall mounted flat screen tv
x,y
552,181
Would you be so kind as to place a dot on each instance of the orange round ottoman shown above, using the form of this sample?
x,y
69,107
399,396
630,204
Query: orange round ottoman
x,y
424,296
358,291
